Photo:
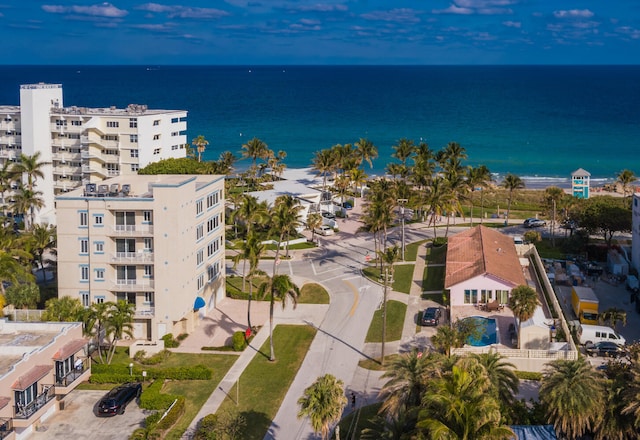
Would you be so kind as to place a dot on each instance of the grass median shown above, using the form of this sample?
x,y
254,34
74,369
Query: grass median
x,y
396,312
264,384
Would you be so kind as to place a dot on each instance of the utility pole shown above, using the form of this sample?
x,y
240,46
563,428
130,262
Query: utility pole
x,y
401,202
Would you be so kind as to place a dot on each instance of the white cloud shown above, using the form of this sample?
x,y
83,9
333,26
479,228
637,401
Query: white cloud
x,y
453,9
513,24
178,11
629,32
402,15
101,10
573,13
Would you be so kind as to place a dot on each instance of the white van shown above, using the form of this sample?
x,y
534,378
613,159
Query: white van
x,y
590,334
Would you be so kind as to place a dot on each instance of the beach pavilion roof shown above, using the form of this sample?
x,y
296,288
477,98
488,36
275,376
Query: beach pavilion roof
x,y
581,173
482,251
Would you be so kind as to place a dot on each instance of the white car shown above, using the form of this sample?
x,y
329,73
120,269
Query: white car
x,y
324,230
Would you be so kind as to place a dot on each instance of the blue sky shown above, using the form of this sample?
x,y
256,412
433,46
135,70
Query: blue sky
x,y
277,32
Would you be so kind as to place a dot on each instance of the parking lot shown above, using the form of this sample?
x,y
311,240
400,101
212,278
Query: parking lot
x,y
78,420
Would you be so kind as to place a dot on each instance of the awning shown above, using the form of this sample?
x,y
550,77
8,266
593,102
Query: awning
x,y
32,376
199,303
4,401
69,348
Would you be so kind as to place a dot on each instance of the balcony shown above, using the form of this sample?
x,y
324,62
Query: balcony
x,y
67,171
128,285
144,312
8,154
67,383
132,257
131,230
113,173
34,409
6,428
66,156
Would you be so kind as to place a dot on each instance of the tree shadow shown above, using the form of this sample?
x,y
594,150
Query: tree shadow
x,y
339,340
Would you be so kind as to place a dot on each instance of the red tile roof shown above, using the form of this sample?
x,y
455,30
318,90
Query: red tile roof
x,y
33,375
69,348
4,401
482,251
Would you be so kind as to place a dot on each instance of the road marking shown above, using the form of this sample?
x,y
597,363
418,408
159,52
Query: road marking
x,y
356,297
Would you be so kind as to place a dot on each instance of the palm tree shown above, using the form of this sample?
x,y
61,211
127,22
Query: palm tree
x,y
254,149
226,161
201,145
284,221
7,176
323,402
403,150
511,182
625,178
459,406
119,323
552,197
27,201
250,211
278,287
572,393
314,221
501,374
324,163
43,238
358,178
477,178
408,375
256,250
95,323
438,199
387,256
613,316
523,301
63,309
31,167
366,151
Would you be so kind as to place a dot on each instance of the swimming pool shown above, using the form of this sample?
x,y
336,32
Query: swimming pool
x,y
488,331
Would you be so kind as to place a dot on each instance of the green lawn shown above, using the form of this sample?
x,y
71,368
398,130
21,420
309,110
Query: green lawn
x,y
313,293
396,311
411,250
402,276
433,278
350,430
263,384
436,255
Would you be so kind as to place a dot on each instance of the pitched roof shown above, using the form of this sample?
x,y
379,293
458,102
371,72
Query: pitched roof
x,y
580,172
32,376
482,251
69,348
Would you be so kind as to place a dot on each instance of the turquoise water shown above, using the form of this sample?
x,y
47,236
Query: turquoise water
x,y
540,122
489,328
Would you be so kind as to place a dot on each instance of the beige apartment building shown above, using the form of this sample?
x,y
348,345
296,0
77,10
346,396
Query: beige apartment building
x,y
83,145
40,363
154,241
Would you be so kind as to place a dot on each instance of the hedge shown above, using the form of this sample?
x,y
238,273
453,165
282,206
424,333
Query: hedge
x,y
102,373
152,398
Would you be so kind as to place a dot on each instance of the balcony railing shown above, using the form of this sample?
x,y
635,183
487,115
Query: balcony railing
x,y
144,312
71,376
132,257
131,285
6,428
26,411
131,230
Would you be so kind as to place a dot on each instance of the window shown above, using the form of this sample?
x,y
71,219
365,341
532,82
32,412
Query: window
x,y
133,123
156,137
99,274
175,120
148,271
212,271
212,199
84,246
148,297
213,247
98,220
133,138
199,207
148,244
175,147
76,123
109,137
84,298
156,122
99,299
84,218
99,247
135,167
26,397
199,232
113,124
471,296
200,257
157,150
502,296
146,217
485,296
213,223
84,273
175,133
200,282
134,153
61,123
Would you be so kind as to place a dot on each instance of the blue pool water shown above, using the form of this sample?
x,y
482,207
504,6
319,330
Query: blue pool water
x,y
488,328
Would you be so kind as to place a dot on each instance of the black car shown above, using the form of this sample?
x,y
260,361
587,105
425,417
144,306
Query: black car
x,y
116,400
431,316
605,349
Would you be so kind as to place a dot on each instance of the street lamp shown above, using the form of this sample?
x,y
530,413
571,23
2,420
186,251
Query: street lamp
x,y
402,202
131,369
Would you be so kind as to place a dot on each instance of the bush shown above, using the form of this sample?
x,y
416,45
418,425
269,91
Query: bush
x,y
152,398
206,427
102,373
528,375
439,241
156,359
239,341
170,342
182,336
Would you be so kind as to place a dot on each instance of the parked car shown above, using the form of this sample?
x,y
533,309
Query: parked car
x,y
534,223
347,205
328,215
605,349
431,316
116,400
324,230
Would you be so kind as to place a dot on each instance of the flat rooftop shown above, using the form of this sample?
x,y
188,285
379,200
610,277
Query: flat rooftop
x,y
131,110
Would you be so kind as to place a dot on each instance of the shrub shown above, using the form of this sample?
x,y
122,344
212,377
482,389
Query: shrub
x,y
156,359
528,375
532,236
239,341
102,373
152,398
169,341
182,336
206,427
140,355
439,241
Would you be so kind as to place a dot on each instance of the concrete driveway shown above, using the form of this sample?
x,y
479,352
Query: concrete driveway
x,y
78,420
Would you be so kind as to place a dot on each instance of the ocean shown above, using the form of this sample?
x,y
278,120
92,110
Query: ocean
x,y
539,122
